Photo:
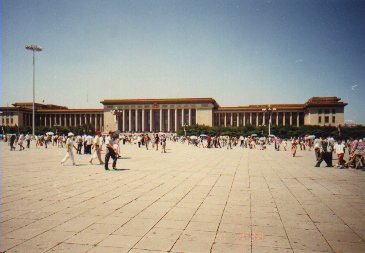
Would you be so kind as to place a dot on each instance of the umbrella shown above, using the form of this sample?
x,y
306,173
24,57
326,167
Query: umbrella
x,y
203,135
50,133
116,134
310,137
254,135
193,137
161,133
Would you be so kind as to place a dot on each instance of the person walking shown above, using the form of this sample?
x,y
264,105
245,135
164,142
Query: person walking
x,y
110,152
12,141
146,140
69,152
326,154
27,139
97,148
294,144
79,144
20,142
339,149
163,144
157,140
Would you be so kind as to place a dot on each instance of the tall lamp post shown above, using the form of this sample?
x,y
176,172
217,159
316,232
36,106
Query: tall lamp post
x,y
33,48
269,109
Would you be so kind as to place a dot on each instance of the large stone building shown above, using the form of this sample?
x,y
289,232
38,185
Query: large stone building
x,y
170,115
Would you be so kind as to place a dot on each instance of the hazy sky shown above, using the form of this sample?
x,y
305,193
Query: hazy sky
x,y
238,52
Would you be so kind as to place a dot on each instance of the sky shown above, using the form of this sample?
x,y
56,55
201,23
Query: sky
x,y
237,52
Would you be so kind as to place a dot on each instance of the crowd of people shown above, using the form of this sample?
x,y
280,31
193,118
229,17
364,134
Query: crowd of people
x,y
325,149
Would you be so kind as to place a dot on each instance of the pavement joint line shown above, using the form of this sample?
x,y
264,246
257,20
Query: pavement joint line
x,y
230,190
197,207
249,186
290,191
149,206
276,206
331,209
58,224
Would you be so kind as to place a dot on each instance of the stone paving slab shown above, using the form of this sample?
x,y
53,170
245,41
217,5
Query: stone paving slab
x,y
187,200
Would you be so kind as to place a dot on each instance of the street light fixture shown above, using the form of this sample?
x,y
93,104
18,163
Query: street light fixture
x,y
33,48
185,125
269,109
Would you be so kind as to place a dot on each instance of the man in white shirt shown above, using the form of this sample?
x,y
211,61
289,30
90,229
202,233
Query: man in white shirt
x,y
340,151
69,146
110,152
89,143
97,148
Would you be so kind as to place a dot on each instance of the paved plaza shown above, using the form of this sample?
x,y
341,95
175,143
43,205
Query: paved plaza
x,y
187,200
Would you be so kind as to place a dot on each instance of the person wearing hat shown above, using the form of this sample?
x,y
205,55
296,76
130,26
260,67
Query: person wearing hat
x,y
69,146
110,152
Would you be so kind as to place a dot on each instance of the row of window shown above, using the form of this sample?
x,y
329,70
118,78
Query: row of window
x,y
326,119
326,111
7,121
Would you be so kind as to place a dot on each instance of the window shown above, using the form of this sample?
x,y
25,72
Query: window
x,y
333,111
320,111
319,119
326,119
333,119
11,120
327,111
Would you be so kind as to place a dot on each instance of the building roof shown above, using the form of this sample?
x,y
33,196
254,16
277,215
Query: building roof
x,y
258,108
39,105
160,101
70,110
324,101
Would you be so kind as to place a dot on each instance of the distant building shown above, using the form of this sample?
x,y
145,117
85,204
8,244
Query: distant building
x,y
171,114
20,114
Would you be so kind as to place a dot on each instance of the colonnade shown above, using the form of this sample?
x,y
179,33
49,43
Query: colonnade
x,y
71,120
154,120
258,118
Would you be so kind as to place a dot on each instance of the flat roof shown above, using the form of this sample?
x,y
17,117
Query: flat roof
x,y
159,101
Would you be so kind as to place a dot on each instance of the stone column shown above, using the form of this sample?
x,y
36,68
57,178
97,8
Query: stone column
x,y
143,115
101,122
244,119
189,116
277,118
130,120
283,118
168,120
251,118
123,118
231,119
257,118
263,118
70,118
291,118
175,119
161,128
238,119
136,120
225,119
182,117
95,121
297,119
151,118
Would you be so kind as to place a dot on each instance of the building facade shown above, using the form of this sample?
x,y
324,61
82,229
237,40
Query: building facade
x,y
48,115
171,115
